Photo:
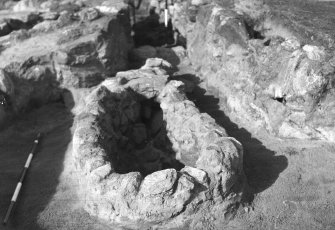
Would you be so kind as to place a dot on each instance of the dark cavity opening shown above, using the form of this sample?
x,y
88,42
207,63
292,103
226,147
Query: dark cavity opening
x,y
144,145
280,99
267,42
13,24
253,34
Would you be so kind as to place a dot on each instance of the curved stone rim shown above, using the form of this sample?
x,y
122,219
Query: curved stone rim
x,y
123,195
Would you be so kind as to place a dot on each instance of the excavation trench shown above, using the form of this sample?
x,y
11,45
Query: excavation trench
x,y
143,151
149,154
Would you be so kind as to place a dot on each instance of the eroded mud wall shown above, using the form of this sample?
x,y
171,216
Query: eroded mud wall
x,y
266,71
65,47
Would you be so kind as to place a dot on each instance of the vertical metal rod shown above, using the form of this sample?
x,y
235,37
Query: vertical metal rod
x,y
166,12
19,184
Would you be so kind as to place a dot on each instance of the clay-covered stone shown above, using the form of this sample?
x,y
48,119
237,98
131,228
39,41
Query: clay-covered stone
x,y
69,55
161,162
268,72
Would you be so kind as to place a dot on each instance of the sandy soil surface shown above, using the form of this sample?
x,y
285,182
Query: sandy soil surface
x,y
313,21
48,199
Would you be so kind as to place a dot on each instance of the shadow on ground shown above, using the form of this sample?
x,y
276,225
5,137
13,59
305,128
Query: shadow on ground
x,y
54,121
261,165
150,31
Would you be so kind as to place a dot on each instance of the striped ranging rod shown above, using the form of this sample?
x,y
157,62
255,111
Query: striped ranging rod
x,y
166,14
19,184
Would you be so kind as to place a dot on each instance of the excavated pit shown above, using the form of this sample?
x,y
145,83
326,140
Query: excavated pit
x,y
143,144
148,157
